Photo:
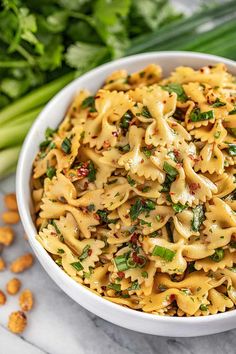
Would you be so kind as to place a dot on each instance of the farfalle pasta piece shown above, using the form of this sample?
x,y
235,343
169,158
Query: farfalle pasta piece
x,y
211,159
220,223
209,264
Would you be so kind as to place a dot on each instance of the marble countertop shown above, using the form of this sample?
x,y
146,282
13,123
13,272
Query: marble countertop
x,y
58,325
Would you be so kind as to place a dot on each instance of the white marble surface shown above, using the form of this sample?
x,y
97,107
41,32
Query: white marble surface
x,y
57,325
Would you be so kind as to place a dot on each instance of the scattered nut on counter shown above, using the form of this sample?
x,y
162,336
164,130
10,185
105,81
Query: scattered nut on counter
x,y
2,264
26,300
10,201
3,298
6,235
22,263
13,286
11,217
17,322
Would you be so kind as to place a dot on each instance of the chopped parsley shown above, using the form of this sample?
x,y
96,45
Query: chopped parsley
x,y
49,132
103,215
91,207
141,206
196,115
232,149
178,208
232,112
198,218
125,148
147,152
66,146
145,112
92,172
164,253
203,307
51,172
135,286
89,102
178,89
218,103
218,255
125,120
144,274
113,286
170,170
60,251
131,181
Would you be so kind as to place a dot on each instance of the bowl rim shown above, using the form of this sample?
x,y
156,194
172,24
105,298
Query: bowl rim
x,y
44,257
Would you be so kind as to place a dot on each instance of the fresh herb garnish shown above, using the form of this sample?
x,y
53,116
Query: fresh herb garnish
x,y
77,265
125,120
170,170
144,274
218,255
164,253
103,215
135,286
51,172
178,89
131,181
121,262
49,132
66,146
60,251
85,253
145,112
147,152
89,102
198,218
232,131
178,208
113,286
91,207
232,149
92,172
232,112
196,115
203,307
218,103
141,206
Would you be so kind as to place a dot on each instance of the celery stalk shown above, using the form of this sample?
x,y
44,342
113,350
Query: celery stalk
x,y
8,160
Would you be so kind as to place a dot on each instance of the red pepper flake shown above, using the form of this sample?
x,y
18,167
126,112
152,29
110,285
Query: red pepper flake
x,y
94,137
121,274
115,134
172,193
103,287
83,170
106,144
193,187
172,297
142,161
134,238
90,252
127,216
137,259
179,165
96,216
116,236
84,210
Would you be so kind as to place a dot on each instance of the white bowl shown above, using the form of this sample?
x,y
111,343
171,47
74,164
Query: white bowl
x,y
51,116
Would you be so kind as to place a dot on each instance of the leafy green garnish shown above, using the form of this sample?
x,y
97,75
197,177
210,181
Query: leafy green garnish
x,y
92,172
131,181
164,253
124,148
91,207
203,307
145,112
89,102
141,206
77,265
179,207
218,103
85,253
232,149
121,263
170,170
135,286
196,115
198,217
51,172
125,120
113,286
103,215
60,251
218,255
66,146
232,112
147,152
178,89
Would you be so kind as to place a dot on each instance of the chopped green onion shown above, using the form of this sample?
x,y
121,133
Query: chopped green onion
x,y
145,112
164,253
66,145
131,263
218,103
121,263
77,265
125,120
203,307
49,132
116,287
232,112
144,274
147,152
170,170
196,115
60,251
218,255
135,286
51,172
85,253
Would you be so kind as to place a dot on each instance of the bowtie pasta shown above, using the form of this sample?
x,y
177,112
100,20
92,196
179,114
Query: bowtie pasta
x,y
135,193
